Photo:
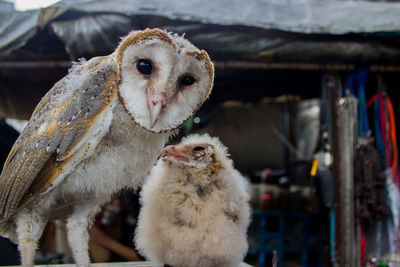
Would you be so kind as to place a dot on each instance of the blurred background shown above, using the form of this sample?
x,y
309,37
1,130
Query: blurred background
x,y
305,97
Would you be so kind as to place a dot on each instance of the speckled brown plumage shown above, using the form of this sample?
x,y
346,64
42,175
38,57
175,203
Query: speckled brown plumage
x,y
38,157
83,143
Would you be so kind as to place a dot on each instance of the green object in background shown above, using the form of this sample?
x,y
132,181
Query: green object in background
x,y
383,264
187,126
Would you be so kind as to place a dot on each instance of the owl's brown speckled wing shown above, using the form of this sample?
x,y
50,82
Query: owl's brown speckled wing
x,y
61,125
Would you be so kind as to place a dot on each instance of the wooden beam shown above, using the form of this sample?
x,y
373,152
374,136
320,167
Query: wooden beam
x,y
302,66
34,64
225,65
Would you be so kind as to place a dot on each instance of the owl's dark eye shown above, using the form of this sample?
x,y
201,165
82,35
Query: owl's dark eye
x,y
187,80
144,66
199,148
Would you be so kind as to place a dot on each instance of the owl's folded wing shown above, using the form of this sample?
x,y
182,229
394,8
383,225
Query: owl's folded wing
x,y
64,129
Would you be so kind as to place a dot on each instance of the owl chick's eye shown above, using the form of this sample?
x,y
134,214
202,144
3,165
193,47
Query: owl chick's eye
x,y
199,148
144,66
187,80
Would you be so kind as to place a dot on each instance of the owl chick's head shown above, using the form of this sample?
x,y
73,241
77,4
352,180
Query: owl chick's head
x,y
198,151
164,78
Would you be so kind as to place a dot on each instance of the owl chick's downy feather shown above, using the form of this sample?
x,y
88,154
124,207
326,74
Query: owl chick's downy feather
x,y
98,130
195,209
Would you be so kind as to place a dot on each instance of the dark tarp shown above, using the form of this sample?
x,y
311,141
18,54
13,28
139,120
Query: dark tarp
x,y
266,30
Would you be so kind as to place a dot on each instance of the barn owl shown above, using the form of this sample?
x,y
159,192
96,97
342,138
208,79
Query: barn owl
x,y
98,130
195,210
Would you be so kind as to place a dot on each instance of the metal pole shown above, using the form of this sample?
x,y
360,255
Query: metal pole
x,y
348,133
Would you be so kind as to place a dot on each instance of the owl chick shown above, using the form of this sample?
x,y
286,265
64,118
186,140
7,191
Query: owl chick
x,y
98,130
195,209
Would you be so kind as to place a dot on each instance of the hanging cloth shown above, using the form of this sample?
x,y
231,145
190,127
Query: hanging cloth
x,y
364,129
385,129
393,138
349,85
386,143
367,169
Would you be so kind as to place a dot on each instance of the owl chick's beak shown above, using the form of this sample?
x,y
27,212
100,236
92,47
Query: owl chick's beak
x,y
156,104
177,153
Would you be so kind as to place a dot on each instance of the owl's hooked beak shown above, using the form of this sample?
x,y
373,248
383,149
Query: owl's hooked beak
x,y
156,102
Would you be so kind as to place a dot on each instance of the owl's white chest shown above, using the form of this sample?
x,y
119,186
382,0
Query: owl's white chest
x,y
122,159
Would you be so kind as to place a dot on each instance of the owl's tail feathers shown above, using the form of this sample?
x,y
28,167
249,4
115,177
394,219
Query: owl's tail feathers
x,y
8,230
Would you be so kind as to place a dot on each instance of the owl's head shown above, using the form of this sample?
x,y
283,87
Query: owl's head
x,y
164,78
198,151
197,155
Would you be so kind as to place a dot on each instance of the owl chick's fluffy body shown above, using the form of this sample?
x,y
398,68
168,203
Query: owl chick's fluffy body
x,y
98,130
195,209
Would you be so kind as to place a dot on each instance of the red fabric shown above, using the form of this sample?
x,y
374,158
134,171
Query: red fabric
x,y
393,134
382,121
363,248
371,100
